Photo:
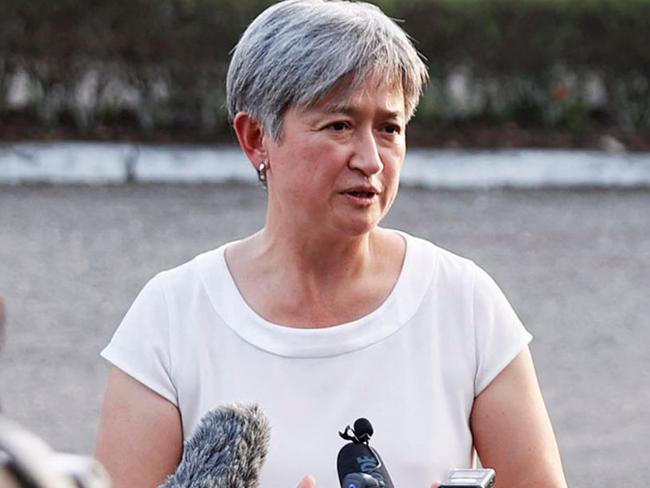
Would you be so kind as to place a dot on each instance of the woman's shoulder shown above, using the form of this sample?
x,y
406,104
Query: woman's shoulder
x,y
191,274
423,251
442,270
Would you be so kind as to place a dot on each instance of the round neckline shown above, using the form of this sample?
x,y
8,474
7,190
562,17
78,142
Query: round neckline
x,y
283,340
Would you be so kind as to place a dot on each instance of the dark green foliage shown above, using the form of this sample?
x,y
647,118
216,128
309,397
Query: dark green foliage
x,y
160,64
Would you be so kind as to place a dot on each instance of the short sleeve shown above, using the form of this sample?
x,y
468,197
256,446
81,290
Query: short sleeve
x,y
140,346
499,334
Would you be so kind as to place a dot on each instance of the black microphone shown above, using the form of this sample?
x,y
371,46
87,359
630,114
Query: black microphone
x,y
358,464
226,450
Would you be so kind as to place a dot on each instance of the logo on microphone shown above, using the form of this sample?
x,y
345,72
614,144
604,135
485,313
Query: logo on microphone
x,y
370,465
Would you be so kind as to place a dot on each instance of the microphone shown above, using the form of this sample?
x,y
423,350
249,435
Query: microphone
x,y
226,450
358,464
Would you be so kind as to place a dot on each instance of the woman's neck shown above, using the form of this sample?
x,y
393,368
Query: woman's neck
x,y
302,282
318,256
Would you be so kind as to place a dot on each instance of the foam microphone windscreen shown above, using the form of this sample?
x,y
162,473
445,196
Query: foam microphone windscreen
x,y
226,450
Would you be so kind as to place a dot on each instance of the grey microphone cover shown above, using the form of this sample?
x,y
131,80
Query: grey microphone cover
x,y
226,450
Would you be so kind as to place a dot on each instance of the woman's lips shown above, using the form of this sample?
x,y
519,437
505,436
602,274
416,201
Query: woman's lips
x,y
361,196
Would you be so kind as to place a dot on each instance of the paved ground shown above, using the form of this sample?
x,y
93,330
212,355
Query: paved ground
x,y
576,266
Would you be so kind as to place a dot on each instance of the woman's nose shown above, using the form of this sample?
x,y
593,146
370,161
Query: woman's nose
x,y
366,157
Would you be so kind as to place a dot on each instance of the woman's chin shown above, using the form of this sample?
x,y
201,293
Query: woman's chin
x,y
355,227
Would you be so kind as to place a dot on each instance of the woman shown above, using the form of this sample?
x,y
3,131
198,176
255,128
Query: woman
x,y
323,316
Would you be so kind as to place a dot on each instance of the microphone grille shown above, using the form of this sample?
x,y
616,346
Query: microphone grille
x,y
363,428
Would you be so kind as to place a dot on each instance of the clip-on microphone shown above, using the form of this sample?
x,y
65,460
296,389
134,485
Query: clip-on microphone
x,y
358,464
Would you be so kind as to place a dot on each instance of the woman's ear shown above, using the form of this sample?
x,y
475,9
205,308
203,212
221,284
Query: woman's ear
x,y
250,134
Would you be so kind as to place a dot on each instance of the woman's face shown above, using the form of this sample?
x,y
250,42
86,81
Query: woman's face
x,y
336,167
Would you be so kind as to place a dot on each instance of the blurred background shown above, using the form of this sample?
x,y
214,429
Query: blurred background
x,y
529,153
505,73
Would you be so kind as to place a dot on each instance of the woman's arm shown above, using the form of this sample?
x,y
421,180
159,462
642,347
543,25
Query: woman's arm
x,y
512,430
140,439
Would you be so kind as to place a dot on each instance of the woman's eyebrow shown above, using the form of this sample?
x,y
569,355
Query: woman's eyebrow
x,y
337,108
352,111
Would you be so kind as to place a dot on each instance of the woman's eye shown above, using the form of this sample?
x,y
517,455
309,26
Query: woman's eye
x,y
392,129
339,126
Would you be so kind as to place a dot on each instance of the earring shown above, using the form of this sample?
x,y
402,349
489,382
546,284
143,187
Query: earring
x,y
261,173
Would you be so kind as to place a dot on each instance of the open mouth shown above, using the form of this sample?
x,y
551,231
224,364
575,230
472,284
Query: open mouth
x,y
361,194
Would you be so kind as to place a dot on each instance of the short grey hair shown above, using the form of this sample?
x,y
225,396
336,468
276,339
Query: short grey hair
x,y
297,52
